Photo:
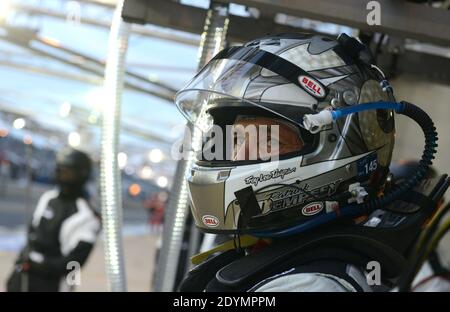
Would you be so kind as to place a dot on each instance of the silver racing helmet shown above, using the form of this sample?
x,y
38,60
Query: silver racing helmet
x,y
259,93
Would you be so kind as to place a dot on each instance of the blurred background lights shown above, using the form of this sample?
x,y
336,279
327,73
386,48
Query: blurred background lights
x,y
95,99
64,109
122,159
155,155
146,173
162,181
92,119
19,123
134,189
74,139
27,140
5,6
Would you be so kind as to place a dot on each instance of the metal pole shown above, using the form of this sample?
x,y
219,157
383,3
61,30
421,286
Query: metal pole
x,y
212,41
29,185
110,182
24,276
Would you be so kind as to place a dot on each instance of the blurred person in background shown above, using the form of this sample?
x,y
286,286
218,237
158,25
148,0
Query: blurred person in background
x,y
155,205
5,173
63,229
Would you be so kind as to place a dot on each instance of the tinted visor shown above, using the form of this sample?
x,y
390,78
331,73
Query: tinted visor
x,y
250,76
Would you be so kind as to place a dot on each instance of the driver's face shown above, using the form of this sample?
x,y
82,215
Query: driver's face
x,y
285,140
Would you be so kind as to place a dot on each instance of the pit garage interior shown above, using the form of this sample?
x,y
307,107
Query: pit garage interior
x,y
60,59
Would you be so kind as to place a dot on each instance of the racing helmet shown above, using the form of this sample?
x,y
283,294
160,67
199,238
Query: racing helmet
x,y
269,84
73,167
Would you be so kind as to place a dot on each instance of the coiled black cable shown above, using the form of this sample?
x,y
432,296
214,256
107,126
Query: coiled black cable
x,y
424,121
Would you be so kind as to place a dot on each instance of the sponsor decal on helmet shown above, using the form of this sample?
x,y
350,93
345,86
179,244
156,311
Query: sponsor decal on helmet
x,y
312,86
312,209
210,221
277,173
294,195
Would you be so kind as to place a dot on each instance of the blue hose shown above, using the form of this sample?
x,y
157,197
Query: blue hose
x,y
339,113
404,108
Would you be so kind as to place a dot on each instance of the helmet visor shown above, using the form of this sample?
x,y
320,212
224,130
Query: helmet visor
x,y
245,135
245,76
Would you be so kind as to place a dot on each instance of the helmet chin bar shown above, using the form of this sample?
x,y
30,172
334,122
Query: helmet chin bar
x,y
315,122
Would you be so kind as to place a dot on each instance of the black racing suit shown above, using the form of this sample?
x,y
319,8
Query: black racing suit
x,y
63,229
339,257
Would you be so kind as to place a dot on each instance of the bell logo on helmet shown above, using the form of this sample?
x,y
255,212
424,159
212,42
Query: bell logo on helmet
x,y
312,86
210,221
312,209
